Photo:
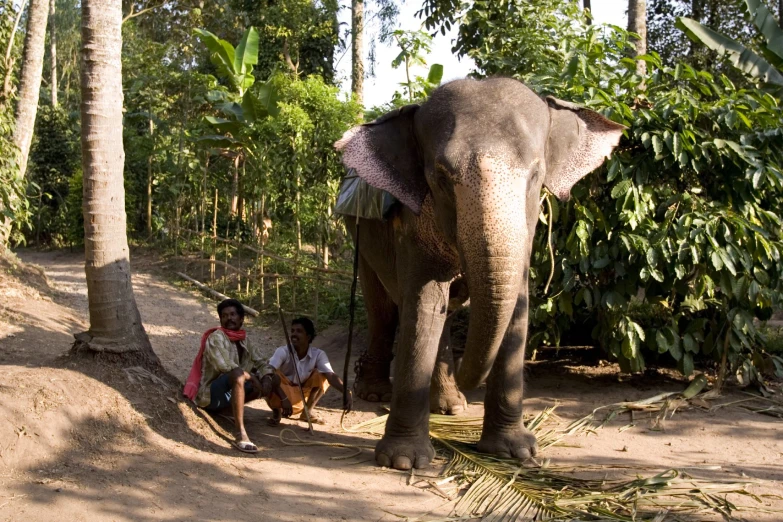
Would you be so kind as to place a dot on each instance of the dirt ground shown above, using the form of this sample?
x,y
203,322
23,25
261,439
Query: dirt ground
x,y
86,441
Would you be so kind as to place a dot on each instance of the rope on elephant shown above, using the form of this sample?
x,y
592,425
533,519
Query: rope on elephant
x,y
549,242
300,442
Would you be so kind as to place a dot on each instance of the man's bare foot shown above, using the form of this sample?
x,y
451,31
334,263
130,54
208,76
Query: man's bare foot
x,y
274,420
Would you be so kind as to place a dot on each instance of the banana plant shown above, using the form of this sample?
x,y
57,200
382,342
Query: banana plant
x,y
244,104
768,68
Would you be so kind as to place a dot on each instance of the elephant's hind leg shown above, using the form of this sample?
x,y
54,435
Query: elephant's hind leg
x,y
373,367
445,396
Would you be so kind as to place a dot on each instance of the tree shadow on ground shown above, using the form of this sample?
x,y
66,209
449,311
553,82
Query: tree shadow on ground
x,y
120,475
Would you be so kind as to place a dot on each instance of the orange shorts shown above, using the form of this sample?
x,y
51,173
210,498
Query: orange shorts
x,y
291,390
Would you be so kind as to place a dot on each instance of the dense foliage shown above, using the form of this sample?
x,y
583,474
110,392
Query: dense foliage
x,y
673,248
13,204
673,46
55,161
671,251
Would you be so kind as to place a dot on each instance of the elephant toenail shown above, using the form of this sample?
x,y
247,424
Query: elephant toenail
x,y
402,462
372,397
422,461
383,460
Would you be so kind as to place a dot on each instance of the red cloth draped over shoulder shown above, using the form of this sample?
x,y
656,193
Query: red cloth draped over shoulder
x,y
194,378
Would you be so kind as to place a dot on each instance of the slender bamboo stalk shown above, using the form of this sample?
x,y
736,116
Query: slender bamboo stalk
x,y
214,239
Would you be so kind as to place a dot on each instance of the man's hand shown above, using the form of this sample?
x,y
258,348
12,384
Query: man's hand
x,y
288,409
335,381
349,406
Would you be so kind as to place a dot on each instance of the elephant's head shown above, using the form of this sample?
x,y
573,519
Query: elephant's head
x,y
482,150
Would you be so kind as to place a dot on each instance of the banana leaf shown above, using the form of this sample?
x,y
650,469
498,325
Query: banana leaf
x,y
740,56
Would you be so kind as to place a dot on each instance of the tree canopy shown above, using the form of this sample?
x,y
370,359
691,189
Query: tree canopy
x,y
670,252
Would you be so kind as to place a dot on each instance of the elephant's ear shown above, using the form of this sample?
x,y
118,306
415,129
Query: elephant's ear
x,y
579,141
385,154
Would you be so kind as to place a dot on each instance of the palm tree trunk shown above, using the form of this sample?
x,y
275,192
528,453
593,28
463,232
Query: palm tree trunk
x,y
637,23
30,80
53,51
115,323
357,49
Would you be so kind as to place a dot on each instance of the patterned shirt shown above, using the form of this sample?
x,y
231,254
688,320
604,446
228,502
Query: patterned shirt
x,y
220,356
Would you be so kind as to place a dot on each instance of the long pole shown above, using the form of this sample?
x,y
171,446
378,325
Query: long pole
x,y
292,354
351,313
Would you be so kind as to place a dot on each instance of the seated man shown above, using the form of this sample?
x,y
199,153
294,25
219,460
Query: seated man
x,y
223,377
314,370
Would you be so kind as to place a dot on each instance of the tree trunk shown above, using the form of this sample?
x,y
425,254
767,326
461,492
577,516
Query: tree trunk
x,y
588,11
697,12
30,80
357,50
780,13
115,323
637,23
9,61
53,51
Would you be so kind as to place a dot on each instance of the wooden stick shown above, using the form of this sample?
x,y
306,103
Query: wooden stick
x,y
214,293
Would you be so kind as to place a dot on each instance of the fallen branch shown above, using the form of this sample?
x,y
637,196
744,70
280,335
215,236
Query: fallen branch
x,y
214,293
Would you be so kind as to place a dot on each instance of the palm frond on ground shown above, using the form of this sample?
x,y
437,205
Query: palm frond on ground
x,y
494,489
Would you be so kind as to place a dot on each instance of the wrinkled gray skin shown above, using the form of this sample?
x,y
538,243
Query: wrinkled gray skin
x,y
468,167
373,381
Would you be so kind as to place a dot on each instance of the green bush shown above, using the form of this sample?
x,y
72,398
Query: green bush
x,y
55,161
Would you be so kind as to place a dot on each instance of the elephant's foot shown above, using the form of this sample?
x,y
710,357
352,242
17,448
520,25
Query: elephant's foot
x,y
404,452
374,390
517,443
448,401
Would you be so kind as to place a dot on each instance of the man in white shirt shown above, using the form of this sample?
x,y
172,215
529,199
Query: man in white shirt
x,y
313,368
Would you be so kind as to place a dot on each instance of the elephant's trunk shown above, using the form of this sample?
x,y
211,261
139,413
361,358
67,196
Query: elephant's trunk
x,y
492,239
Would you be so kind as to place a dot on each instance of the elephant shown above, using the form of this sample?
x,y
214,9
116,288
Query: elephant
x,y
467,167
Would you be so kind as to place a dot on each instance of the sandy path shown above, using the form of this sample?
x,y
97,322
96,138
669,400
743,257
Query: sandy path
x,y
73,446
86,472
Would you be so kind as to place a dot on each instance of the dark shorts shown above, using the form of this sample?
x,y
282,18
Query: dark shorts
x,y
220,393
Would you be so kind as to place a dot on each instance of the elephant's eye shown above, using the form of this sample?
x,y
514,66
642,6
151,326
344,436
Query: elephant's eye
x,y
442,172
443,179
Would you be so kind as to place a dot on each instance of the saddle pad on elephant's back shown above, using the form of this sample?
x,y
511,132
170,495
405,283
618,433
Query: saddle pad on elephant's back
x,y
359,199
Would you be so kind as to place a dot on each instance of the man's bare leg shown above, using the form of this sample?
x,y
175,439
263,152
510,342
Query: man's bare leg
x,y
237,378
312,399
269,387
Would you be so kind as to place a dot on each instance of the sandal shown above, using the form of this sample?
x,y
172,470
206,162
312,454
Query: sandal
x,y
245,446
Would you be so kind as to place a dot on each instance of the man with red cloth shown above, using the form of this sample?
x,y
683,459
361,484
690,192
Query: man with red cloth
x,y
224,375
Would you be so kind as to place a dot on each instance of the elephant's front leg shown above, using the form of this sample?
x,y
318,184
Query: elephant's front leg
x,y
504,433
406,441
